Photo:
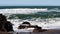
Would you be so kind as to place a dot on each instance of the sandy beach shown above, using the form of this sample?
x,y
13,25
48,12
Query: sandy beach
x,y
50,31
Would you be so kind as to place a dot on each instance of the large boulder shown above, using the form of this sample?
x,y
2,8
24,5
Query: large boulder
x,y
4,24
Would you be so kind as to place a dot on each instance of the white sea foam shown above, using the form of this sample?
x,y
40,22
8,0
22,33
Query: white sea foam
x,y
52,23
22,10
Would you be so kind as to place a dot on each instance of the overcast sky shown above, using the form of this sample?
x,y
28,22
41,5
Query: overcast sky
x,y
29,2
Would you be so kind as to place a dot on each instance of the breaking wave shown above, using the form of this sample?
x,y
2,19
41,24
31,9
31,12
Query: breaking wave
x,y
51,17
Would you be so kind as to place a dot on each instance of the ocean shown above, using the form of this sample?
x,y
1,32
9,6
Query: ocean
x,y
9,7
47,17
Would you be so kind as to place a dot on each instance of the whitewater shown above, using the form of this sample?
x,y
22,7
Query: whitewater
x,y
50,23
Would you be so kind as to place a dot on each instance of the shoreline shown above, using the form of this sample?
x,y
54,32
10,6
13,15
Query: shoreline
x,y
50,31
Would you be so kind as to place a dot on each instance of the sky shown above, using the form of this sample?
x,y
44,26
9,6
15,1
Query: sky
x,y
29,2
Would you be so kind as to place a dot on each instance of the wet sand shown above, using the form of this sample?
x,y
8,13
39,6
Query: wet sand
x,y
50,31
6,32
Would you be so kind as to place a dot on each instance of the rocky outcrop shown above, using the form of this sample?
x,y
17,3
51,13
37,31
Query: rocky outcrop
x,y
28,25
5,26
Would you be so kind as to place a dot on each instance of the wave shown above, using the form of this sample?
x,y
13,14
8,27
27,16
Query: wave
x,y
22,10
28,10
51,23
27,13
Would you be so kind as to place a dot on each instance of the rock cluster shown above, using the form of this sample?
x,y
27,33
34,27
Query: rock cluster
x,y
28,25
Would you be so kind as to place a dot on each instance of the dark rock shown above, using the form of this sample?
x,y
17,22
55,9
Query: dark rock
x,y
4,24
8,26
21,27
26,23
39,29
